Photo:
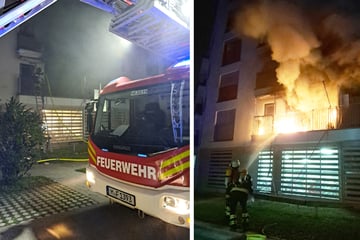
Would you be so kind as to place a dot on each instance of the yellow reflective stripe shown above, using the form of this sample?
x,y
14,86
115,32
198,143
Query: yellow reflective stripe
x,y
239,189
90,147
91,152
175,159
92,157
174,170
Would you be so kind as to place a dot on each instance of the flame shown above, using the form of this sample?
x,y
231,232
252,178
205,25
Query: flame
x,y
292,122
261,131
288,124
317,55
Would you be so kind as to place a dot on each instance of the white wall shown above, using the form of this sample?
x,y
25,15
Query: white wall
x,y
9,66
54,102
244,104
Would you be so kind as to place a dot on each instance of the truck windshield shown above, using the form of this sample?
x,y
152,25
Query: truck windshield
x,y
145,120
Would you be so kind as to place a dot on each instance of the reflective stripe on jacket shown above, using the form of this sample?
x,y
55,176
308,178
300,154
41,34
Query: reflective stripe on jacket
x,y
241,189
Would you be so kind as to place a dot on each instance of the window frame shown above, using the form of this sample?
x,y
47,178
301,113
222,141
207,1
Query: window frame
x,y
224,125
228,86
231,51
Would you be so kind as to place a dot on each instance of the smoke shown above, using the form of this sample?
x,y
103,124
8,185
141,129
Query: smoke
x,y
317,54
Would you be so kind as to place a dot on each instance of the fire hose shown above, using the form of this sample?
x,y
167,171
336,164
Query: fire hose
x,y
63,159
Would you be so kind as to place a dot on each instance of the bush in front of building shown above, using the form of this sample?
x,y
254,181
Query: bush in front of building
x,y
21,138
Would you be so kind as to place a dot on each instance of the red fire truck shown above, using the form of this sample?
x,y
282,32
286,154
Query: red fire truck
x,y
139,146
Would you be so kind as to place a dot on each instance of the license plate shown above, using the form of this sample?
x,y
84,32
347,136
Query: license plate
x,y
122,196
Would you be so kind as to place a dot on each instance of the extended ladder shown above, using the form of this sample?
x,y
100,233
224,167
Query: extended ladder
x,y
160,26
176,110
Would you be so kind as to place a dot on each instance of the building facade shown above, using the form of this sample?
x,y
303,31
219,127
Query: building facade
x,y
23,75
246,114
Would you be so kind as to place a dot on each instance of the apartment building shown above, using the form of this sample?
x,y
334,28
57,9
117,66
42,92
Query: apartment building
x,y
306,146
23,75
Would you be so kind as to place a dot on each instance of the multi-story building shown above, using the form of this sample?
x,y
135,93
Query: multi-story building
x,y
23,75
309,152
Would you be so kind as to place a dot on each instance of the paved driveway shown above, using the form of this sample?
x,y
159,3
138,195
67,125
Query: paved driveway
x,y
67,209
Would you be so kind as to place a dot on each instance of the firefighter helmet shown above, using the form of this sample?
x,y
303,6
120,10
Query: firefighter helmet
x,y
235,163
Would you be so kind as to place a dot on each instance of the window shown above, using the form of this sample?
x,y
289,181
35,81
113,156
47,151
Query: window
x,y
224,126
27,80
230,21
228,86
145,120
269,109
265,171
232,51
63,125
306,173
312,173
267,76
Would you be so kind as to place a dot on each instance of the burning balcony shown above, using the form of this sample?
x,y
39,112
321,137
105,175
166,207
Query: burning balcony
x,y
289,122
295,98
316,119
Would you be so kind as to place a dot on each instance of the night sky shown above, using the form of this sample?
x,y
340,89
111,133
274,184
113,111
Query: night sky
x,y
204,17
80,52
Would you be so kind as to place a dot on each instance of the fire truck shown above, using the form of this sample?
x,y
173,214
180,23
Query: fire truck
x,y
139,153
139,147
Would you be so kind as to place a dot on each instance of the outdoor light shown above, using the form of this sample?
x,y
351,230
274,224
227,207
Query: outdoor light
x,y
90,177
178,205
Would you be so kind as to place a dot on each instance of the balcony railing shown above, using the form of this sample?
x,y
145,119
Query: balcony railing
x,y
317,119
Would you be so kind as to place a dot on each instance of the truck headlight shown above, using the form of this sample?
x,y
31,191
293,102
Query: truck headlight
x,y
90,177
178,205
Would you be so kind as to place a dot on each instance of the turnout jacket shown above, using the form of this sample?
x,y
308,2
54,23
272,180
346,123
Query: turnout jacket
x,y
243,184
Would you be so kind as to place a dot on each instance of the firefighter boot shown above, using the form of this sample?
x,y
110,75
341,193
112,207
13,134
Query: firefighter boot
x,y
227,213
233,222
245,221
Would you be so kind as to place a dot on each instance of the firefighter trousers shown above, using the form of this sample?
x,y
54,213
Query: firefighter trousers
x,y
227,203
235,198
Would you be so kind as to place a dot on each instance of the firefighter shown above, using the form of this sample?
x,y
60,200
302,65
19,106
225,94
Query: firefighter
x,y
240,187
234,165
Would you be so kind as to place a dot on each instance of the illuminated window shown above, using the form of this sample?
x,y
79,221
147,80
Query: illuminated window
x,y
228,86
309,173
264,173
224,126
232,52
63,125
312,173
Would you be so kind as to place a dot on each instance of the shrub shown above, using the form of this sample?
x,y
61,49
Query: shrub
x,y
21,137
